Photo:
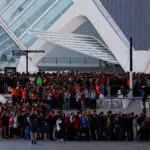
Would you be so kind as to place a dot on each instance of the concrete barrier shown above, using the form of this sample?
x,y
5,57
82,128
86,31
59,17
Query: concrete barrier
x,y
2,99
147,104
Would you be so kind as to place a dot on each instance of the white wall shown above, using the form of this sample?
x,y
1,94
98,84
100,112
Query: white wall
x,y
142,61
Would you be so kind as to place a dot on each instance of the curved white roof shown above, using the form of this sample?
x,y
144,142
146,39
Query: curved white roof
x,y
84,44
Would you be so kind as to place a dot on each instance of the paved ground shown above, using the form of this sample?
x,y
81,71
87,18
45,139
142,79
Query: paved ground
x,y
26,145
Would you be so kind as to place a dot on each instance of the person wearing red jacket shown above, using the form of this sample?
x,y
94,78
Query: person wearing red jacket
x,y
24,95
102,84
77,126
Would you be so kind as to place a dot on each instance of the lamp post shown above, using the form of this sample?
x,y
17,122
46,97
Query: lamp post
x,y
25,53
131,64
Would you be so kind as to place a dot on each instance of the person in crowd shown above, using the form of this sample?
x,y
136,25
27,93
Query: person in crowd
x,y
49,99
84,128
33,127
41,126
5,123
15,125
144,129
78,99
36,86
93,98
11,122
83,98
32,121
44,93
94,126
87,97
51,121
101,126
67,96
76,126
26,124
24,95
1,125
21,123
59,129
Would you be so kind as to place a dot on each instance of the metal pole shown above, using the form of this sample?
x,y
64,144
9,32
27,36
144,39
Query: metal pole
x,y
26,61
114,68
131,65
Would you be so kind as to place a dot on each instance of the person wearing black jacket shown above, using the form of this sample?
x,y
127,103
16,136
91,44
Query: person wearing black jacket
x,y
109,126
27,126
5,121
21,127
123,126
101,126
41,126
145,94
94,126
144,129
117,127
33,128
51,122
130,127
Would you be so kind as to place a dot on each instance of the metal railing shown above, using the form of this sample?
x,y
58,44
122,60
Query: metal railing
x,y
67,61
117,102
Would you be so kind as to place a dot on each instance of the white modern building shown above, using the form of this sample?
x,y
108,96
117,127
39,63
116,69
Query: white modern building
x,y
75,34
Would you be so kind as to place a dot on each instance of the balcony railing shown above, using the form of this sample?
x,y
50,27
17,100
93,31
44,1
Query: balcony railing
x,y
67,61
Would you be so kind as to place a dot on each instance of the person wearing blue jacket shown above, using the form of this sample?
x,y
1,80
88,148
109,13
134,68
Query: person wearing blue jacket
x,y
84,124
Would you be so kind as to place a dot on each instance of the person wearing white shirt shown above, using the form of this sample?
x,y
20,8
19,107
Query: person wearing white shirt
x,y
59,129
15,126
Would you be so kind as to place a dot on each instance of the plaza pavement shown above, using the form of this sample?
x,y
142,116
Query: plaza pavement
x,y
46,145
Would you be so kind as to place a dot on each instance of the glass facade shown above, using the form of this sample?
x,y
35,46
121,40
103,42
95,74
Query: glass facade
x,y
30,16
28,40
4,3
53,14
14,9
6,47
48,20
20,16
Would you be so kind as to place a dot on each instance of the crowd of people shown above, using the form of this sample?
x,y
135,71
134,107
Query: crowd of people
x,y
36,97
36,122
71,90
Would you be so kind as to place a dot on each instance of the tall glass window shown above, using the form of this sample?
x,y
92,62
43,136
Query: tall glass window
x,y
6,47
53,14
14,9
49,19
4,3
30,16
28,40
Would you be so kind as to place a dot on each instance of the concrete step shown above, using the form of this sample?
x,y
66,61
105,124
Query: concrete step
x,y
7,97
